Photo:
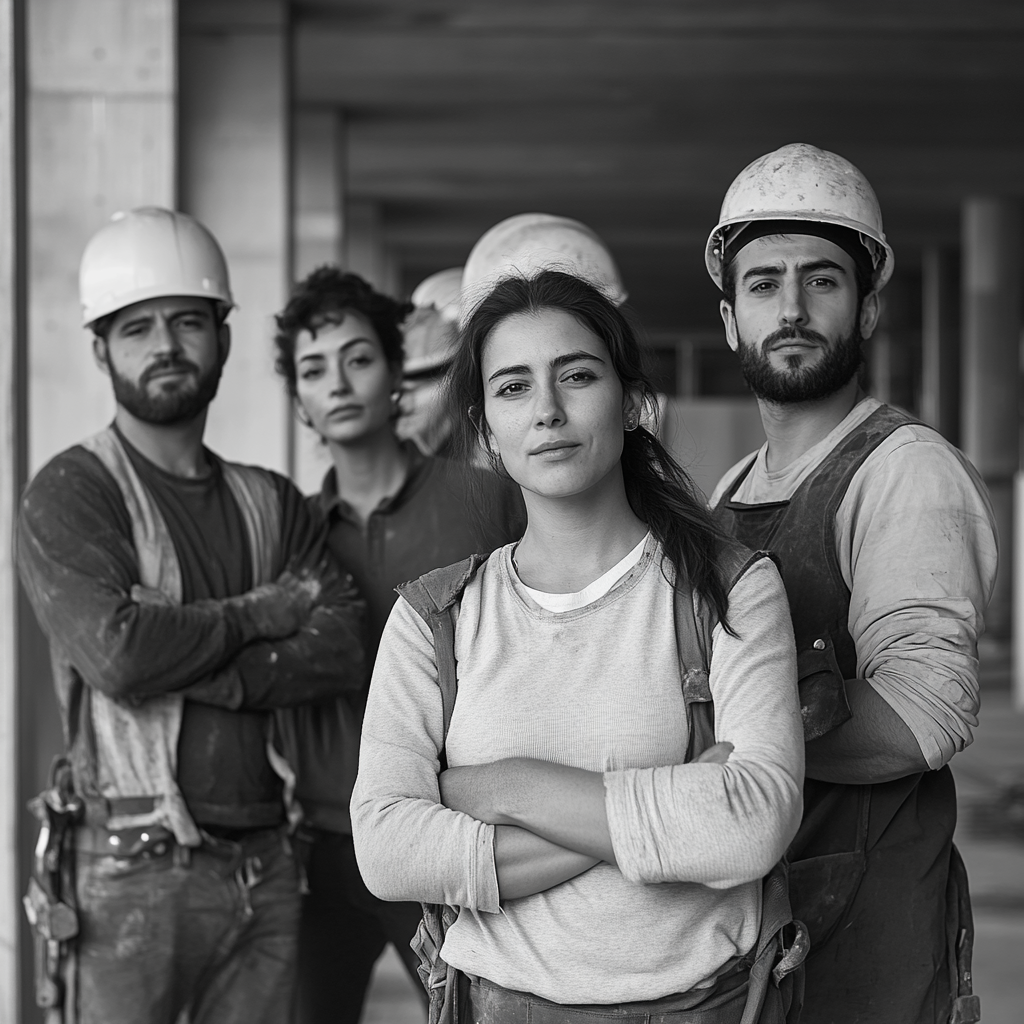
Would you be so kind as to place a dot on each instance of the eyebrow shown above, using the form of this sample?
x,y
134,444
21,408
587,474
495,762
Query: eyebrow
x,y
348,344
775,269
148,318
556,363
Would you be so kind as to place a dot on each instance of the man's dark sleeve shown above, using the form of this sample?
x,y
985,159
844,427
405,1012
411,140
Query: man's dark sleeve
x,y
77,562
326,657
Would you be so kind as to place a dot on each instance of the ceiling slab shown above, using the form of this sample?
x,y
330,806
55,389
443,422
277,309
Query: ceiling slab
x,y
635,117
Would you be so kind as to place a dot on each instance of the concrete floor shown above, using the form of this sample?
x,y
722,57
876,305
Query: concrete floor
x,y
392,998
990,836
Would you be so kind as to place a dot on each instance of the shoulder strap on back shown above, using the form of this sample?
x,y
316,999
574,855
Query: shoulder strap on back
x,y
695,623
433,596
437,590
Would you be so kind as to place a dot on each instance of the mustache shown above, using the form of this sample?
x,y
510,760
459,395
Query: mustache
x,y
790,333
171,363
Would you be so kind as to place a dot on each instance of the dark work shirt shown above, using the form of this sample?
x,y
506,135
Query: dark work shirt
x,y
444,512
78,562
223,771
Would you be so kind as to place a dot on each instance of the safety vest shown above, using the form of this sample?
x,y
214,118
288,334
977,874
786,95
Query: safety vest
x,y
134,748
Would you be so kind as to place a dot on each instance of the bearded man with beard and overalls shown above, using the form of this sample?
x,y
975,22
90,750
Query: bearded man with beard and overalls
x,y
886,541
184,598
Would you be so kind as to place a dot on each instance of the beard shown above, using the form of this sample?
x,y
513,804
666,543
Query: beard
x,y
798,383
167,405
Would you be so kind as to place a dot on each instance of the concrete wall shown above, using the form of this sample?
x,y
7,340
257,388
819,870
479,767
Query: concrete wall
x,y
708,435
235,177
102,77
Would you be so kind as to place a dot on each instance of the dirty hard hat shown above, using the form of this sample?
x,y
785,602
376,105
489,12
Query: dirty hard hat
x,y
150,253
430,331
807,185
530,243
440,291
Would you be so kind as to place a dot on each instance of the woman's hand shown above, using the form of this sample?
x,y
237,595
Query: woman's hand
x,y
717,753
474,790
561,804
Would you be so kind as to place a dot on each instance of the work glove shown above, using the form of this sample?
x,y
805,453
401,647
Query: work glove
x,y
279,609
268,612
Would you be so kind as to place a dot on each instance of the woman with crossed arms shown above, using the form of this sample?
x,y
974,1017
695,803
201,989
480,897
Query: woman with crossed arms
x,y
593,870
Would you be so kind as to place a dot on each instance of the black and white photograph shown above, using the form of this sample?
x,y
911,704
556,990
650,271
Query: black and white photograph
x,y
511,512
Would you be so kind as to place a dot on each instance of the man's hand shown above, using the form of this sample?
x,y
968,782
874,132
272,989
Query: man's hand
x,y
147,595
279,609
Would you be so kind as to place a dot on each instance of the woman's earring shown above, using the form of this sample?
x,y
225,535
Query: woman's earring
x,y
303,417
631,422
396,403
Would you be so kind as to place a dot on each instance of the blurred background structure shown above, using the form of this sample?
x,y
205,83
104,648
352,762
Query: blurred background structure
x,y
390,134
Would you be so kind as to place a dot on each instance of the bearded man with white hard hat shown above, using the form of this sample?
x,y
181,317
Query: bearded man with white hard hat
x,y
184,598
886,541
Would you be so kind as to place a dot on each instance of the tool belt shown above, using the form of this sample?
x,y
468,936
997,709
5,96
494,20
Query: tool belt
x,y
50,899
70,823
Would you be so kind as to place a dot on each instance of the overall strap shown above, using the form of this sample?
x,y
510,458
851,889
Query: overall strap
x,y
434,597
695,622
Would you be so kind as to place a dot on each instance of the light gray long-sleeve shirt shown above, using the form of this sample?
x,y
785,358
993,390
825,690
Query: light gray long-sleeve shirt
x,y
916,543
597,688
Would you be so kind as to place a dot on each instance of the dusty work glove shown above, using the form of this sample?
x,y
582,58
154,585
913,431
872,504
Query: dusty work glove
x,y
276,610
268,612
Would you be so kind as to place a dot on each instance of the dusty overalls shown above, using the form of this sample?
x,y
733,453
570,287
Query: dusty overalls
x,y
874,874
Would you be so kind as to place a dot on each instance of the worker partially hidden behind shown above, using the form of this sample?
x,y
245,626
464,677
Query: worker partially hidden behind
x,y
430,332
184,598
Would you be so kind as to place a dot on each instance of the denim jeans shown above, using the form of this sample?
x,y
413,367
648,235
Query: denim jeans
x,y
212,931
344,930
483,1002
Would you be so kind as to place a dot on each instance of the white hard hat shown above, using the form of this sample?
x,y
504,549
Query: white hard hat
x,y
430,331
440,291
530,243
150,253
800,182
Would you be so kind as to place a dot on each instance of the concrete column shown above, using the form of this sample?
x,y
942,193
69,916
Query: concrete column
x,y
318,161
991,367
364,249
101,112
940,341
235,177
13,467
101,138
893,351
318,170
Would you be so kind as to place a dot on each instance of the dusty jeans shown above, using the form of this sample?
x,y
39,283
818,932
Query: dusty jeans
x,y
212,931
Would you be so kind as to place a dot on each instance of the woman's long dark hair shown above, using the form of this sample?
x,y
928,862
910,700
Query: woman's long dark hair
x,y
659,490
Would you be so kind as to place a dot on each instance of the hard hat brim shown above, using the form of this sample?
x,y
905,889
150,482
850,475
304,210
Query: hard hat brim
x,y
713,250
102,309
